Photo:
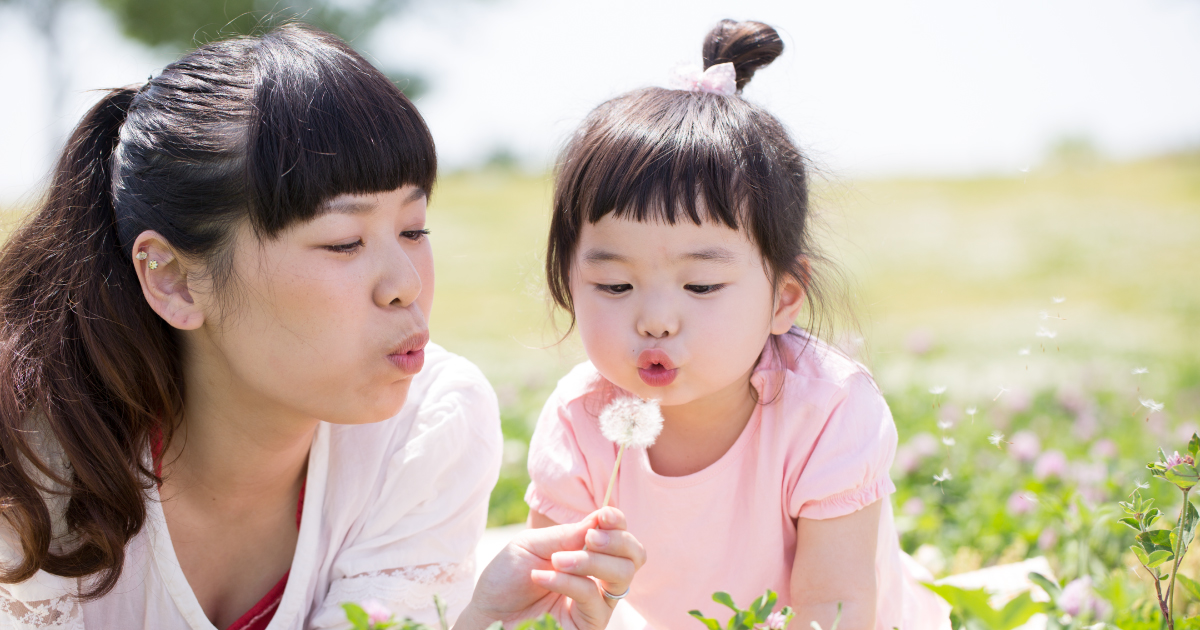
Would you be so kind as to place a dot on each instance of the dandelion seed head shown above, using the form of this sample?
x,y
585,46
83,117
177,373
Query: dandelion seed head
x,y
631,422
1047,333
996,438
1058,299
937,390
1140,370
1151,404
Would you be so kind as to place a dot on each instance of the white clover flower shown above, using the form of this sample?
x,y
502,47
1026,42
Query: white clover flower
x,y
1023,352
1044,332
937,390
1141,370
631,422
996,438
1058,300
1151,404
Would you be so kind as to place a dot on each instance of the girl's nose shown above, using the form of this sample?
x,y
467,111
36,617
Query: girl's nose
x,y
658,321
399,282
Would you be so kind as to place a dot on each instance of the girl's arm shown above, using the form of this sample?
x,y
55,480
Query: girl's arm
x,y
835,562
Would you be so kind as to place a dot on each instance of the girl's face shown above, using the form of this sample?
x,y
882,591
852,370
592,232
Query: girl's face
x,y
329,319
673,312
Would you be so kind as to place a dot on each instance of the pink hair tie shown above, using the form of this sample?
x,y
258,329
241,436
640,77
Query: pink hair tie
x,y
718,79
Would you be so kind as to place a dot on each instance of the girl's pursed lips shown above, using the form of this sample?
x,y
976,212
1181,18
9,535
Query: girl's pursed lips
x,y
655,356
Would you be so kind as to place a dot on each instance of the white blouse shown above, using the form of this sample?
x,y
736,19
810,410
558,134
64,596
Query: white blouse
x,y
392,511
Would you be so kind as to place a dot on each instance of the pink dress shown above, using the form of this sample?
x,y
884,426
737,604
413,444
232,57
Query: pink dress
x,y
819,447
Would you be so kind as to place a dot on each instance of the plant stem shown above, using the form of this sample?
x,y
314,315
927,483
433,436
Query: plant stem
x,y
612,481
1162,605
1179,551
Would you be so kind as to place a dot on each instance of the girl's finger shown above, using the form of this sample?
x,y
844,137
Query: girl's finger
x,y
591,608
617,543
615,574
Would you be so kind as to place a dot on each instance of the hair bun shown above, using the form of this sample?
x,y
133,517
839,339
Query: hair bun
x,y
747,45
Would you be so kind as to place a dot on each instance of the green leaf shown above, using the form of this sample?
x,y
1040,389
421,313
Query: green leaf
x,y
1132,522
1159,557
1192,587
972,604
763,605
712,624
721,597
1141,554
1194,447
1050,586
356,616
1190,516
1017,611
1152,515
1154,540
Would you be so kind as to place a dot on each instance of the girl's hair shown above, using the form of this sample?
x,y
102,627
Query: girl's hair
x,y
254,131
657,154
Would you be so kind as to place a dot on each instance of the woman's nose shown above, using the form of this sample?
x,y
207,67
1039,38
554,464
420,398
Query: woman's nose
x,y
399,282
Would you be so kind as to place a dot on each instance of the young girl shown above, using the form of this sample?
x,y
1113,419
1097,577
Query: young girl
x,y
679,243
218,403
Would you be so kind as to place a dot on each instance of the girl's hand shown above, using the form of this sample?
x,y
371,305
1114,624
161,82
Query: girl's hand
x,y
549,571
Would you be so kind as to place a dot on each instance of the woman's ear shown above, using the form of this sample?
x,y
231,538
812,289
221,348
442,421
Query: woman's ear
x,y
164,279
789,300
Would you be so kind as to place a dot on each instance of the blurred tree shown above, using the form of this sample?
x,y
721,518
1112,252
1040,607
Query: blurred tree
x,y
180,25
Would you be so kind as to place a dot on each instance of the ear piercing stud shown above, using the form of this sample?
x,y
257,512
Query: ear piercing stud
x,y
141,256
153,264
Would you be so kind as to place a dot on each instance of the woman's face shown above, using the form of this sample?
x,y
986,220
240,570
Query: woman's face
x,y
329,319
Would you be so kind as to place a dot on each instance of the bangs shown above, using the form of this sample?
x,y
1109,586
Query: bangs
x,y
664,161
329,124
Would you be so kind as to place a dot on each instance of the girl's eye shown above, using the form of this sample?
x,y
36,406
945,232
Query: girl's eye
x,y
345,248
703,289
415,235
614,289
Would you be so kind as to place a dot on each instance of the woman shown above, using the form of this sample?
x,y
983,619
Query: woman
x,y
219,406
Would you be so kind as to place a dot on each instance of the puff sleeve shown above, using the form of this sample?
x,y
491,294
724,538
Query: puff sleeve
x,y
417,534
563,479
847,469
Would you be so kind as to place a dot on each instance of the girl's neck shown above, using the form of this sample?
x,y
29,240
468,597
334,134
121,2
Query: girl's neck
x,y
698,433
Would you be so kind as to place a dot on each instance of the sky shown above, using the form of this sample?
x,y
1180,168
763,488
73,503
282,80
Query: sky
x,y
866,87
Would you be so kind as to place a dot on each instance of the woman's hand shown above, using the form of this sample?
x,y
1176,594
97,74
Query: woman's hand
x,y
549,571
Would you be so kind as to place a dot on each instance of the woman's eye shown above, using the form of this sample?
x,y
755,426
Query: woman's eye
x,y
415,235
614,289
345,248
703,289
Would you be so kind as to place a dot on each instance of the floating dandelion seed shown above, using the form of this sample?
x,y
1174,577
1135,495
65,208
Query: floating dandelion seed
x,y
1001,393
945,424
1043,315
1023,352
1140,370
971,410
945,476
997,439
948,441
937,390
1048,334
1058,300
629,422
1151,404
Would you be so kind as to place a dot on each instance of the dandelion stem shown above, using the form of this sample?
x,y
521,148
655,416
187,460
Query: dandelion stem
x,y
612,481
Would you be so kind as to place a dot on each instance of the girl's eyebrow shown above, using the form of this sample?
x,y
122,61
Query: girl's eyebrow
x,y
712,254
596,256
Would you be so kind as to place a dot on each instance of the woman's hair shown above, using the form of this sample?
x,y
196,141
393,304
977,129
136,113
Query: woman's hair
x,y
252,131
658,154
